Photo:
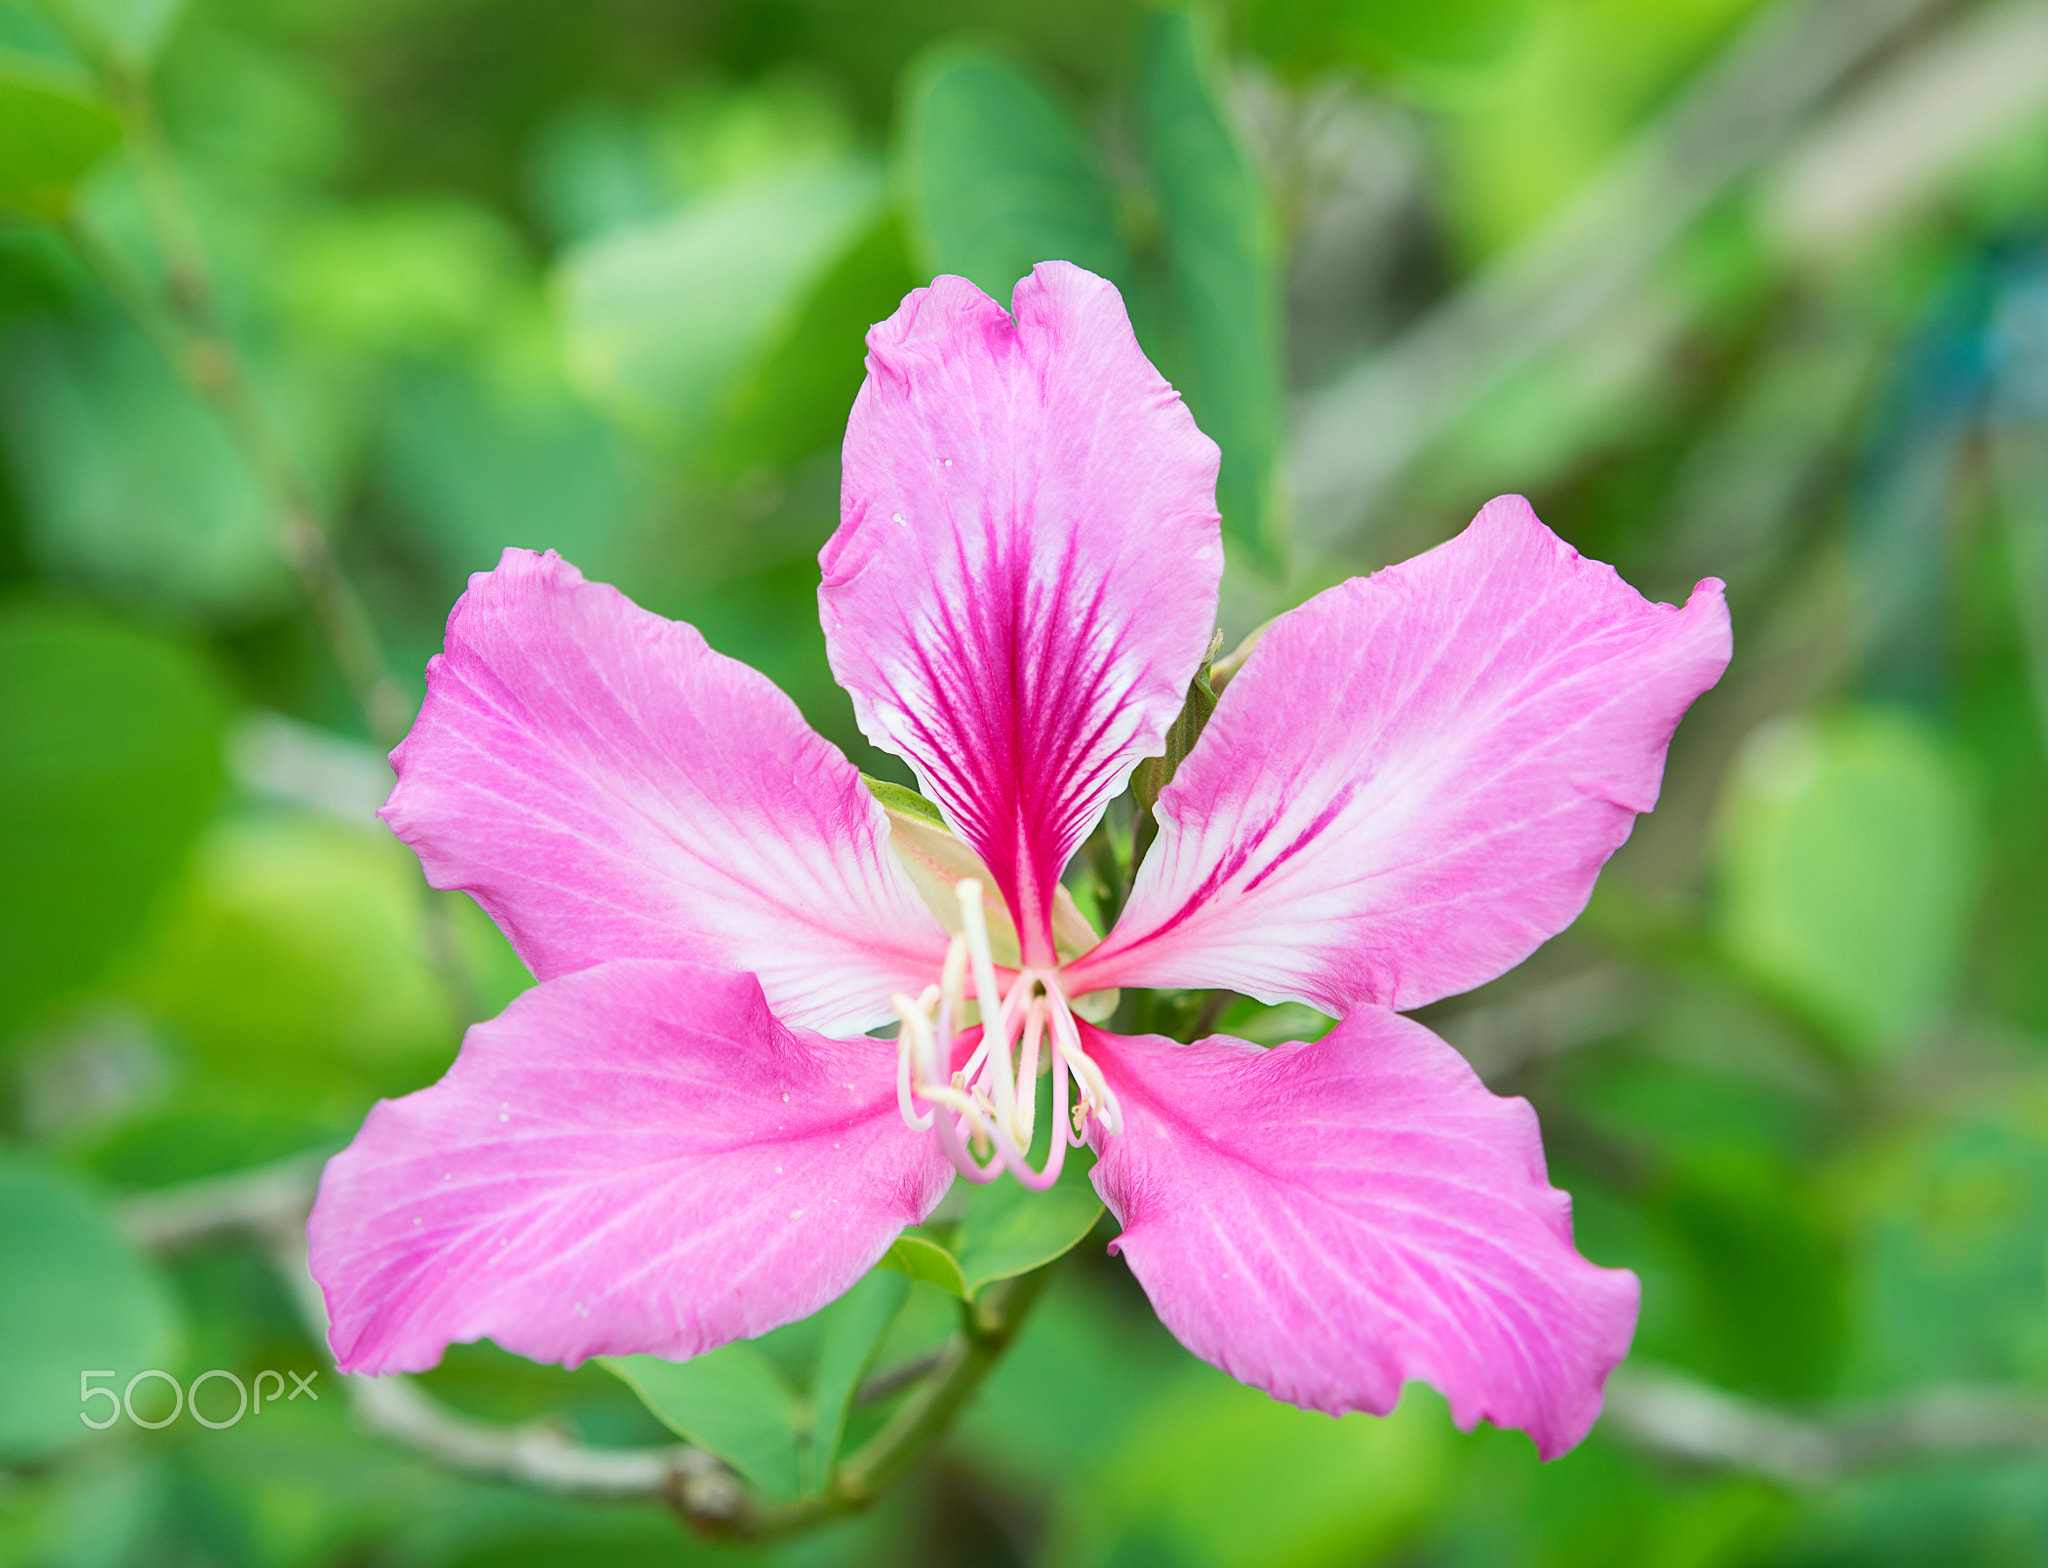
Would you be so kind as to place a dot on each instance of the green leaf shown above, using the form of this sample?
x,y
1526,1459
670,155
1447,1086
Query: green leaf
x,y
132,30
109,765
476,467
52,130
294,928
926,1259
1848,866
854,1329
128,480
796,399
1222,258
1008,1229
77,1300
663,321
907,801
996,178
730,1401
1174,1490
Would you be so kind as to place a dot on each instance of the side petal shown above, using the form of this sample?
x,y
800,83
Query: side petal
x,y
607,787
1329,1221
634,1158
1414,780
1025,572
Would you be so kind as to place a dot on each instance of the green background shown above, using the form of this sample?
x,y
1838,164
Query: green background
x,y
1726,288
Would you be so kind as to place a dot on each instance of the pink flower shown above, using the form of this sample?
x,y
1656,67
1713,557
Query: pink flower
x,y
681,1136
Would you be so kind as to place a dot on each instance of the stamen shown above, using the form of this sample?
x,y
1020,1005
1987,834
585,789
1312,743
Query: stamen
x,y
994,1025
952,988
912,1037
1027,1073
1097,1095
984,1116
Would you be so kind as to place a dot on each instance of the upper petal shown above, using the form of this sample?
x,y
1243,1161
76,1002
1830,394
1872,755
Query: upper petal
x,y
606,786
634,1158
1328,1221
1416,777
1025,572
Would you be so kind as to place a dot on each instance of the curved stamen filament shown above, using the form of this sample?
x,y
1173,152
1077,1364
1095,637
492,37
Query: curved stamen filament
x,y
913,1038
1096,1095
994,1022
985,1104
1027,1074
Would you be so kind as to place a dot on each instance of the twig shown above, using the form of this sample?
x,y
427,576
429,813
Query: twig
x,y
1680,1418
540,1458
1355,437
893,1380
270,1203
536,1455
1658,1411
269,1200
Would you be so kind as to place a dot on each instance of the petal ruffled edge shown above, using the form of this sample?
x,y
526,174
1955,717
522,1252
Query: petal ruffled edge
x,y
1414,780
606,786
1025,573
636,1158
1329,1221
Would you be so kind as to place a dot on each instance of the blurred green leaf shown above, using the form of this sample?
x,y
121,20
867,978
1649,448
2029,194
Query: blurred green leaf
x,y
77,1300
1083,1370
1746,1234
731,1401
855,1326
996,178
109,765
1329,1494
796,399
1848,863
52,130
132,30
1006,1229
1222,257
409,278
1951,1217
927,1259
1246,1019
128,481
294,960
1436,34
662,322
475,465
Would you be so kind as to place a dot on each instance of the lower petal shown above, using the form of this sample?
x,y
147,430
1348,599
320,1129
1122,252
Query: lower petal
x,y
636,1158
1328,1221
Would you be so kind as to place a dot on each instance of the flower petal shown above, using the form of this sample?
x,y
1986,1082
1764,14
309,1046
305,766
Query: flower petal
x,y
634,1158
1025,573
1328,1221
606,787
1416,776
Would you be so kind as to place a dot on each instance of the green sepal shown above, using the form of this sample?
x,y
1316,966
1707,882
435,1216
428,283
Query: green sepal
x,y
1155,773
907,801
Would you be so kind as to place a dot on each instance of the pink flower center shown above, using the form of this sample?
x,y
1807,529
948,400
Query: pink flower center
x,y
984,1115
